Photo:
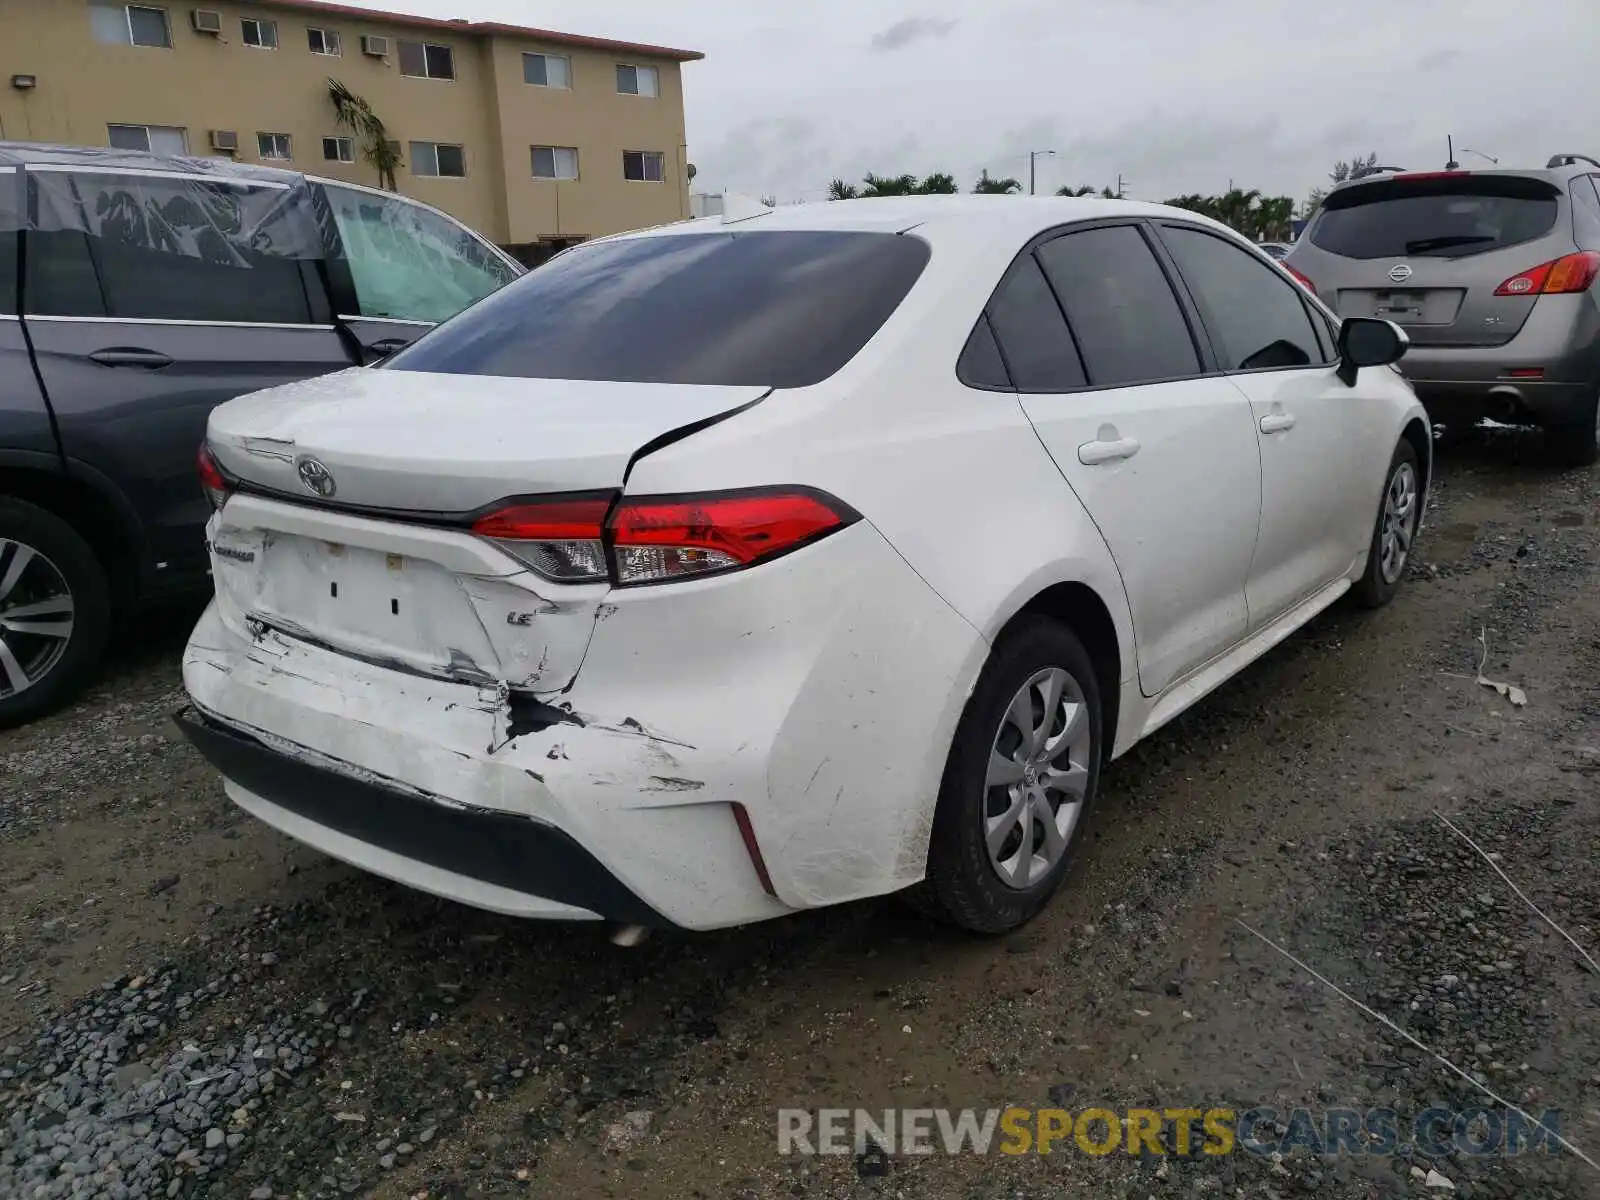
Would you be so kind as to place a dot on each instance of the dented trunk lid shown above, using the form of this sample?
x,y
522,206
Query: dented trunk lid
x,y
385,569
417,442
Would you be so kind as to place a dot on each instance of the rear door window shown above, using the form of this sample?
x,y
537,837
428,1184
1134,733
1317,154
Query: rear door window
x,y
1128,324
408,263
1255,314
1032,332
783,309
170,248
1439,217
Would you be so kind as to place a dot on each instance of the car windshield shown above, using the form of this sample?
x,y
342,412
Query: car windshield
x,y
1439,217
783,309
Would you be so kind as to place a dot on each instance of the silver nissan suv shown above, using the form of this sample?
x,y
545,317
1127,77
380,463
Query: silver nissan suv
x,y
1494,275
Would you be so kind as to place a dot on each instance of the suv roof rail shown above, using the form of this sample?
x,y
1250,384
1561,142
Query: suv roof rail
x,y
1569,160
1373,170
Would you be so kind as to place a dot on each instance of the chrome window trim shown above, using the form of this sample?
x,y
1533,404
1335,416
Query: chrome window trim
x,y
390,320
169,321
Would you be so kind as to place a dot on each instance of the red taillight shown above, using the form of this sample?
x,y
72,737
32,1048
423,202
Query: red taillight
x,y
665,538
560,538
1304,281
1431,175
661,538
1572,273
212,480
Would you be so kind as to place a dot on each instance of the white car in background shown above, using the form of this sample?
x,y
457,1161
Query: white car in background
x,y
743,566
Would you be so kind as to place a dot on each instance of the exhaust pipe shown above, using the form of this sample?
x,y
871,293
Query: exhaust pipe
x,y
629,936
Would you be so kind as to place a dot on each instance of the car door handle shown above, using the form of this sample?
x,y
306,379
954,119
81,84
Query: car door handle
x,y
1093,453
131,356
389,345
1276,422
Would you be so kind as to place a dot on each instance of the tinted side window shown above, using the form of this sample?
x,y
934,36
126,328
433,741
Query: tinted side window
x,y
146,247
10,224
981,365
1255,315
411,264
1032,333
782,309
1127,321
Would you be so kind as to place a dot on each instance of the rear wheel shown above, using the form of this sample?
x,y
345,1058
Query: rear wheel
x,y
1019,782
1577,443
1399,514
55,612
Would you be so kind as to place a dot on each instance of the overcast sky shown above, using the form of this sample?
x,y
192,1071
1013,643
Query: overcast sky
x,y
1177,95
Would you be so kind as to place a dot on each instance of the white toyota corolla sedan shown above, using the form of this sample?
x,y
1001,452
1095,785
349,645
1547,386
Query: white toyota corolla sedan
x,y
742,566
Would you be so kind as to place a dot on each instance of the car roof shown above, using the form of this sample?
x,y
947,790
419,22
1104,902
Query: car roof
x,y
35,154
1555,173
988,215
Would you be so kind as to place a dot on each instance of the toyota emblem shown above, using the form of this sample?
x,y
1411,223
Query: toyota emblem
x,y
1400,272
316,477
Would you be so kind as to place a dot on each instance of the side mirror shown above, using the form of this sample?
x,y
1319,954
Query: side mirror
x,y
1368,342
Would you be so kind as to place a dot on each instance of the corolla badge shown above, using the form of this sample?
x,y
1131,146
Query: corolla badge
x,y
316,477
1400,272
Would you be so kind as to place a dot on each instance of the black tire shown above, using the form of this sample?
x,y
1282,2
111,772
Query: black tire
x,y
963,887
1577,443
65,671
1372,590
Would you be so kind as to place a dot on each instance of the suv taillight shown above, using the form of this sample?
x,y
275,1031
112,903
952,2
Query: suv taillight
x,y
1304,281
212,480
1571,273
659,539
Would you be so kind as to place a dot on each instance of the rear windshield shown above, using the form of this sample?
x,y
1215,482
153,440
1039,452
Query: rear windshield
x,y
781,309
1442,218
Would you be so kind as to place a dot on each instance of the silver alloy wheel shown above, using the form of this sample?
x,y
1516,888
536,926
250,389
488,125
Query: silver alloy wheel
x,y
1038,774
36,617
1399,522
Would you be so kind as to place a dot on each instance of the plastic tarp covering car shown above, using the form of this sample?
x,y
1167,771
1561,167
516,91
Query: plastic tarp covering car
x,y
228,222
408,263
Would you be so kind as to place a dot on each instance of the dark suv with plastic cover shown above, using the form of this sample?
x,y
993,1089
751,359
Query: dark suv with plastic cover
x,y
138,292
1494,275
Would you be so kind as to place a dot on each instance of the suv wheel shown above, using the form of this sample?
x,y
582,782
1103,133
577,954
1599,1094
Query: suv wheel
x,y
1577,444
55,612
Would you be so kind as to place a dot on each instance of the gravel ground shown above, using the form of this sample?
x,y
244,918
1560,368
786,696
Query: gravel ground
x,y
192,1006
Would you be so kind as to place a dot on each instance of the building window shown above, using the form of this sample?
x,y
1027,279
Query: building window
x,y
274,146
438,159
547,70
555,162
325,41
424,60
644,166
158,139
637,81
339,149
263,35
130,25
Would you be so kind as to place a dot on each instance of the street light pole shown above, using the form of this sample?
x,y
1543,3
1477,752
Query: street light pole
x,y
1033,158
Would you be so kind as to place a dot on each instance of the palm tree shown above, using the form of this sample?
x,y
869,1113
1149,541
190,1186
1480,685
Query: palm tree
x,y
996,187
939,183
890,185
1086,190
355,114
840,190
1273,217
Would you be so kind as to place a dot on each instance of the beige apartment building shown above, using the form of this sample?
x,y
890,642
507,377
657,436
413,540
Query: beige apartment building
x,y
534,138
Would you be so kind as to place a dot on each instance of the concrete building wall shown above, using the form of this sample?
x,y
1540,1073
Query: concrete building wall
x,y
205,82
